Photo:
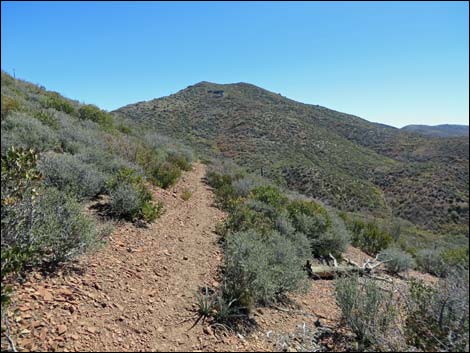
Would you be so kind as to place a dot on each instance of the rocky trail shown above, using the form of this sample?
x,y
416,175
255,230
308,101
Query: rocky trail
x,y
133,293
138,292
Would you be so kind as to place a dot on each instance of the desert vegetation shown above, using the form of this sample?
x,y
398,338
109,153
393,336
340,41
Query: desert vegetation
x,y
70,171
58,158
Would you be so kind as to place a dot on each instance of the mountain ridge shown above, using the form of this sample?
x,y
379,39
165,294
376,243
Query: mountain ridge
x,y
344,160
442,130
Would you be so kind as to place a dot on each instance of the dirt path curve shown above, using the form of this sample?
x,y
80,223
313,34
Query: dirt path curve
x,y
134,293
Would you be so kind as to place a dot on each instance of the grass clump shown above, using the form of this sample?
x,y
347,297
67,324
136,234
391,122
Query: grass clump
x,y
186,194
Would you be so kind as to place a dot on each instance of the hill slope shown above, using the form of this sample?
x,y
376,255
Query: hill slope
x,y
346,161
445,130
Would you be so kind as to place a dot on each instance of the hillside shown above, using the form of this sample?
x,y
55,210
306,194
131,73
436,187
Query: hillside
x,y
341,159
114,237
445,130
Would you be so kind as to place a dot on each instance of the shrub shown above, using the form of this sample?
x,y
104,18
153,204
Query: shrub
x,y
367,310
47,118
150,212
130,199
431,261
104,161
93,113
68,173
456,257
125,201
309,217
396,260
20,130
284,225
77,136
242,187
43,229
438,317
260,269
8,105
252,215
218,180
225,197
61,230
333,241
56,101
269,195
181,160
19,183
166,175
369,237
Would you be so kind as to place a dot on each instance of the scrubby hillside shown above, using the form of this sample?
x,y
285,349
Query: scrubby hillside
x,y
60,158
445,130
74,175
345,161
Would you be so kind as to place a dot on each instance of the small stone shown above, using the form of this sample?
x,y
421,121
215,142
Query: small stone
x,y
61,329
207,330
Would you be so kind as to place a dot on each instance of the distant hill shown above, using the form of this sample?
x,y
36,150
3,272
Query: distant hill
x,y
446,130
347,162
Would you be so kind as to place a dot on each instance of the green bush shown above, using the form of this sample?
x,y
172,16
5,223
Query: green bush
x,y
369,237
8,105
218,180
56,101
46,118
166,175
333,241
93,113
367,310
19,183
130,199
252,215
261,269
456,257
269,195
309,217
181,160
437,317
125,201
397,260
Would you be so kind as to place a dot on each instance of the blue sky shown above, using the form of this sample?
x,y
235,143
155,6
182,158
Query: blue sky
x,y
396,63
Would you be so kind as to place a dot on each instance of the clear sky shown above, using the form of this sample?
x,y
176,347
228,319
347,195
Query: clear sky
x,y
396,63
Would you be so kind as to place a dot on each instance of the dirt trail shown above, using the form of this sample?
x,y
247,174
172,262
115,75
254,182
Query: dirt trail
x,y
137,293
134,293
